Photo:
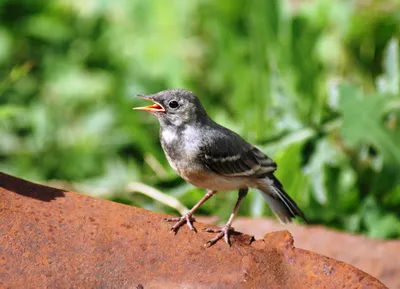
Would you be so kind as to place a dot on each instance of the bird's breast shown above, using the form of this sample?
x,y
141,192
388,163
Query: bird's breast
x,y
182,150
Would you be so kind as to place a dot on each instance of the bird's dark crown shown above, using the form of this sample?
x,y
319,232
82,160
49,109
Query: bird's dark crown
x,y
176,107
178,94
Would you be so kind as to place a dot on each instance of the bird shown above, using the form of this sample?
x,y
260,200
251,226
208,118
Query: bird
x,y
212,157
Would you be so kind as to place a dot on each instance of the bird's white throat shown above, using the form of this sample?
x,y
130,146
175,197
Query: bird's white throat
x,y
185,139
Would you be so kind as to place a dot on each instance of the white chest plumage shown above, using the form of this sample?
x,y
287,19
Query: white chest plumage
x,y
169,136
181,147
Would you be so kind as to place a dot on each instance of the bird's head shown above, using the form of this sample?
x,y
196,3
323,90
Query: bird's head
x,y
175,107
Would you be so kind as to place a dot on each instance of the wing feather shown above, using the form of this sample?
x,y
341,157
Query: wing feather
x,y
230,155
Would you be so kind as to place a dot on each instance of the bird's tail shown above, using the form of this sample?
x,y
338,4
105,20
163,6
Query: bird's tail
x,y
280,202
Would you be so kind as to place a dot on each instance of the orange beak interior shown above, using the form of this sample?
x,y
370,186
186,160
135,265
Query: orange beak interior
x,y
154,107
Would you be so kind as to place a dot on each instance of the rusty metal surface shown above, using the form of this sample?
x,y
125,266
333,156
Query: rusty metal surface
x,y
379,258
56,239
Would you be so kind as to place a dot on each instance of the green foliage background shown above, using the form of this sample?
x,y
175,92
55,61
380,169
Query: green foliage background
x,y
315,84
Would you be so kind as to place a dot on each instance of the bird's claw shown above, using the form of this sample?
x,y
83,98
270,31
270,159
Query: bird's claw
x,y
186,218
222,232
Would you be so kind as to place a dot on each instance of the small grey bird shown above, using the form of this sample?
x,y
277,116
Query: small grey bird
x,y
212,157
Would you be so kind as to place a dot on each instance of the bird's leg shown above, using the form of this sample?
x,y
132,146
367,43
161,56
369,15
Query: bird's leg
x,y
188,217
225,230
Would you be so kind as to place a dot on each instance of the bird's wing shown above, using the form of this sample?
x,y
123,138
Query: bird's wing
x,y
226,153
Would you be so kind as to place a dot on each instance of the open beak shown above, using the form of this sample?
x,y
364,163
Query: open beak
x,y
156,107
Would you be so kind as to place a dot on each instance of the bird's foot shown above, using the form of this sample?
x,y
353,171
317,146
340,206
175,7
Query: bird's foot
x,y
222,232
186,218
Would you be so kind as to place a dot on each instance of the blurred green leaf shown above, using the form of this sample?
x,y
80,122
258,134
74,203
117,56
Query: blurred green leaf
x,y
379,225
6,43
48,28
9,111
365,124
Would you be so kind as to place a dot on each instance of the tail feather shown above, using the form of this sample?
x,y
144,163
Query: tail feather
x,y
280,202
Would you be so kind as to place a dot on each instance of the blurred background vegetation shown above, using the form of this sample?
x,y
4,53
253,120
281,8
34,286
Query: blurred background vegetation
x,y
315,84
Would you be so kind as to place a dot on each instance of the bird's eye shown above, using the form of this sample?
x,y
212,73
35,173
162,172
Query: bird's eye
x,y
173,104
